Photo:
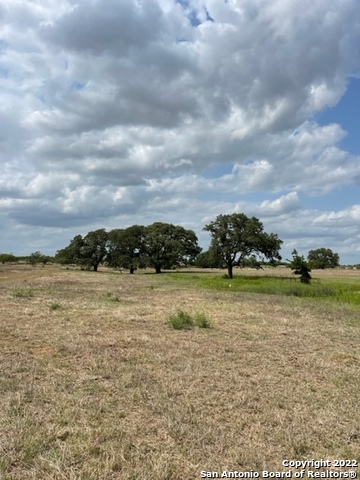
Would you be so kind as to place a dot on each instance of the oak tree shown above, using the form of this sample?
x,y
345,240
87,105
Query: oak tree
x,y
236,237
167,245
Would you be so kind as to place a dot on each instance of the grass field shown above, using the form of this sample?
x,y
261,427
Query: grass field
x,y
95,384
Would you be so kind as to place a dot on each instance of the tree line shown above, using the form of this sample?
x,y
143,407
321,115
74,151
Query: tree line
x,y
160,246
236,240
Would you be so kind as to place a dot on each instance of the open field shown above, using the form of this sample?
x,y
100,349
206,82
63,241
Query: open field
x,y
94,384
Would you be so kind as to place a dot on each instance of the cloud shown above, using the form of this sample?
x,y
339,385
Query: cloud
x,y
117,112
285,204
96,28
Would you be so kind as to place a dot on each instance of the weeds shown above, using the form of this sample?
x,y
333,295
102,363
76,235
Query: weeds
x,y
112,297
182,320
55,306
23,293
202,321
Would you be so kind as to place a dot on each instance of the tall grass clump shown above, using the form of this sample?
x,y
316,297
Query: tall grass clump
x,y
181,320
202,321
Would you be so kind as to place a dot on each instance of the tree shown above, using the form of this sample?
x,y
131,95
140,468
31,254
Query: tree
x,y
72,254
168,245
7,258
94,248
251,262
323,258
300,267
208,259
236,237
38,257
87,252
125,247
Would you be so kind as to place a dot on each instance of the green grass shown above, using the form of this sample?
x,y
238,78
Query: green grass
x,y
340,290
55,306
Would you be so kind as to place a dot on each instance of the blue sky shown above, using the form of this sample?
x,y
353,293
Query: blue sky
x,y
346,112
128,112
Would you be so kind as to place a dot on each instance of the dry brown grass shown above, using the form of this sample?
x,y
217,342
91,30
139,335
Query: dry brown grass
x,y
101,388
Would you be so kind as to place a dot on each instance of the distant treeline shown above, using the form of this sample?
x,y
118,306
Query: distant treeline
x,y
34,258
236,240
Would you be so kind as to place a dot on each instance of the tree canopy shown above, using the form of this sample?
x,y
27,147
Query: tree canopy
x,y
168,245
126,247
208,259
8,258
37,257
236,237
87,252
72,254
160,246
323,258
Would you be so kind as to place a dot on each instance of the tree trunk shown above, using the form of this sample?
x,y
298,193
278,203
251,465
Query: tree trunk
x,y
157,269
132,269
230,270
96,267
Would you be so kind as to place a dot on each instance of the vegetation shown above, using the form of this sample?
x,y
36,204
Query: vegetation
x,y
209,259
167,246
72,254
37,257
8,258
202,321
88,252
323,258
55,306
300,267
126,248
236,240
237,237
160,246
182,320
23,292
339,289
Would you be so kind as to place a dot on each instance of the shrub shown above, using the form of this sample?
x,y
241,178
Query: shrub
x,y
181,320
300,267
202,321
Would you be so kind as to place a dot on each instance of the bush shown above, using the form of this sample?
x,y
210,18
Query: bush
x,y
202,321
300,267
182,320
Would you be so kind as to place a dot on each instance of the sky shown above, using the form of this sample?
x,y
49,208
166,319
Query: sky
x,y
123,112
